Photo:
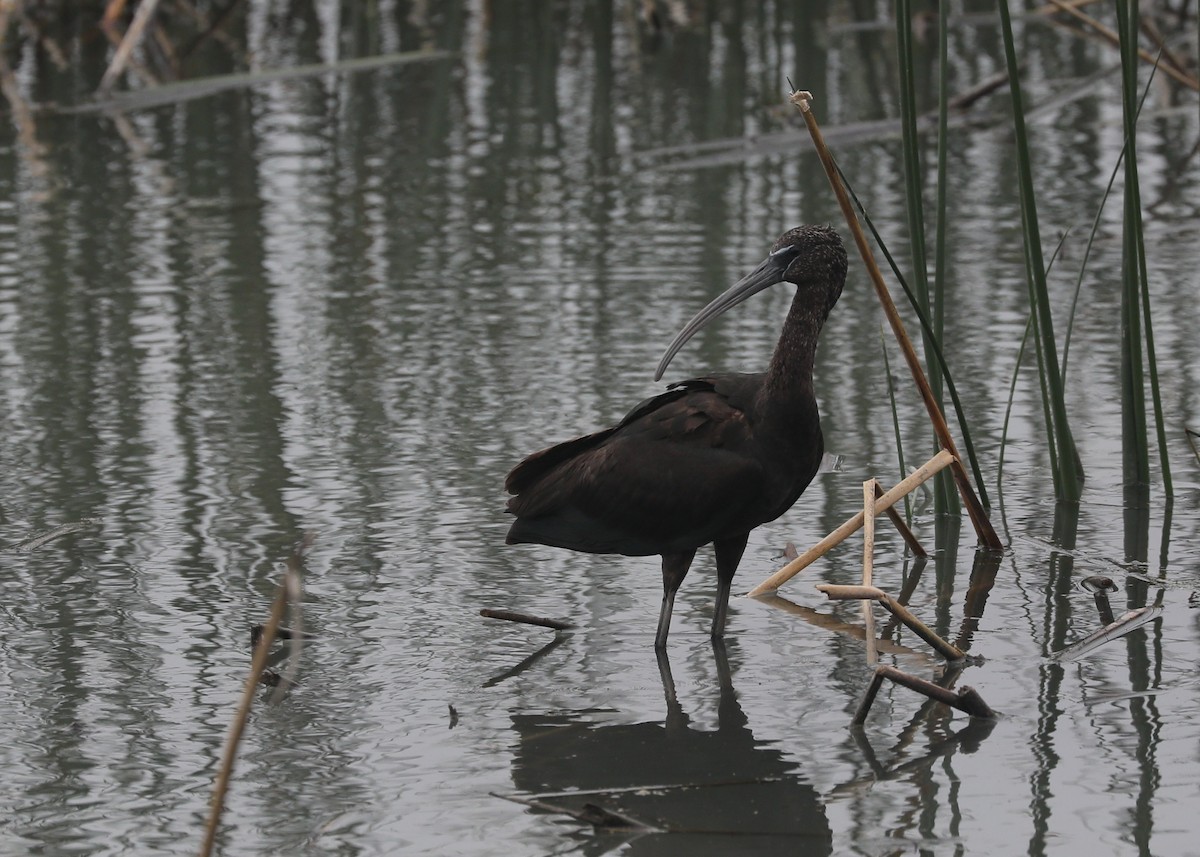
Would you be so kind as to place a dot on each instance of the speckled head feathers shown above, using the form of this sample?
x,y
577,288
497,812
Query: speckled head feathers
x,y
820,259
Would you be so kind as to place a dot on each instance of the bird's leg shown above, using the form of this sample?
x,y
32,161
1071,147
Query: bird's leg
x,y
729,554
675,568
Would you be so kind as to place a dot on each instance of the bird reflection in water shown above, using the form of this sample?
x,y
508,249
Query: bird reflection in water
x,y
702,792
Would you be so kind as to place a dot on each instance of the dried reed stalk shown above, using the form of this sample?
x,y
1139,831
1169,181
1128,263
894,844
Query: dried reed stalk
x,y
983,527
922,474
835,592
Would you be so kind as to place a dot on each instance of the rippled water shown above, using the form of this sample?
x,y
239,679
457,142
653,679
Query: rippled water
x,y
346,305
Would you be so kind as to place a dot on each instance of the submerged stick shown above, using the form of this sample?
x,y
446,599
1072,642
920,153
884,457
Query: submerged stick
x,y
902,528
835,592
966,699
141,19
238,726
983,527
526,619
864,707
922,474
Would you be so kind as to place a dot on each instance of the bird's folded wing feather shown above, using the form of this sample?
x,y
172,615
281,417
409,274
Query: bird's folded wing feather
x,y
674,461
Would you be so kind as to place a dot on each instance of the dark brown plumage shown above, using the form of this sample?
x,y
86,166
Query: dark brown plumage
x,y
708,460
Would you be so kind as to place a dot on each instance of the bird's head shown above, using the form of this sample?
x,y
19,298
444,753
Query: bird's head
x,y
810,257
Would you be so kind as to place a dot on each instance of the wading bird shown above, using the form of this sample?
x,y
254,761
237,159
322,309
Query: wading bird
x,y
708,460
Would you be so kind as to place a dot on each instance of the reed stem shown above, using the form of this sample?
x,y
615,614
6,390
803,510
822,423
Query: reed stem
x,y
983,527
1068,472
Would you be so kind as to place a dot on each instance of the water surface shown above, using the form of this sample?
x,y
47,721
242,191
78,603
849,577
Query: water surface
x,y
346,305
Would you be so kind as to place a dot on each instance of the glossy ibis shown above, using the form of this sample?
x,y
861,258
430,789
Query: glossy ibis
x,y
708,460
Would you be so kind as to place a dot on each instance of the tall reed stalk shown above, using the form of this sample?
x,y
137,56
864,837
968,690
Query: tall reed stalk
x,y
1135,295
1066,468
945,497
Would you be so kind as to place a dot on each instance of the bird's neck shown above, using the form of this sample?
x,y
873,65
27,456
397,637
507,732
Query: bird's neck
x,y
789,376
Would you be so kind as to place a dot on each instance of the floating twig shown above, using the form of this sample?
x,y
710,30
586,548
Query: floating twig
x,y
885,501
44,537
1130,621
526,619
850,593
188,90
965,699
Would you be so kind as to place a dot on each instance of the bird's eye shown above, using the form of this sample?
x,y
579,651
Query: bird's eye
x,y
786,253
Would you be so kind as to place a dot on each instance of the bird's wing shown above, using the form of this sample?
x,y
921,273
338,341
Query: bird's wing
x,y
674,466
535,466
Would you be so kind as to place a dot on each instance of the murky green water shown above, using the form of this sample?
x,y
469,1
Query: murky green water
x,y
345,306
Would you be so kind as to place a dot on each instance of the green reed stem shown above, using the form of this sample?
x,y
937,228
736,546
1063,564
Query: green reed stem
x,y
1012,386
1012,393
1068,478
1135,300
887,368
945,496
944,481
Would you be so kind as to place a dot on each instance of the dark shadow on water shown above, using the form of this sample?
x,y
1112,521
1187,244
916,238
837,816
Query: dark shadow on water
x,y
707,792
527,662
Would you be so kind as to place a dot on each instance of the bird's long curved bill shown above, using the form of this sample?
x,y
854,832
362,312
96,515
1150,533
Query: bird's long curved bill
x,y
767,274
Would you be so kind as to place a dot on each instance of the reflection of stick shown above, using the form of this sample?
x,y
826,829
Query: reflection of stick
x,y
889,499
851,593
599,817
983,527
526,619
966,699
870,487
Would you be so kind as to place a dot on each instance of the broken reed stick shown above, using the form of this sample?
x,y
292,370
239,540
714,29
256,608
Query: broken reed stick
x,y
983,527
1110,35
869,489
966,699
526,619
835,592
137,27
889,498
901,527
238,726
